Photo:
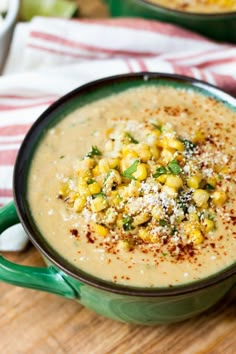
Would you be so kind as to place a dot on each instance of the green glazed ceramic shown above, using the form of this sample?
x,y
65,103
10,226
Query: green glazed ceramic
x,y
221,27
146,306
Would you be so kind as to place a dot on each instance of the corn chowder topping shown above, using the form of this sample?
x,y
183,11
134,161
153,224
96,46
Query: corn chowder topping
x,y
149,188
199,5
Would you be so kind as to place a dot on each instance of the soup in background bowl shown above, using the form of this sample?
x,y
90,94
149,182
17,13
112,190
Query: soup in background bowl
x,y
199,6
127,187
219,24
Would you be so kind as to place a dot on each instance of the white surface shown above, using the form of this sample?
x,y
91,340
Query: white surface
x,y
6,28
13,239
4,5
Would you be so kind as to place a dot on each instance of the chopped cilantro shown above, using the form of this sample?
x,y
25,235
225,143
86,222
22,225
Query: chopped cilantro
x,y
211,217
160,171
94,152
183,202
129,171
101,194
189,145
62,156
131,138
90,181
210,187
162,222
127,223
164,254
173,230
201,215
158,127
174,167
107,176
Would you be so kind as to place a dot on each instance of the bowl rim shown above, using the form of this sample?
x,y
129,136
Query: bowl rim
x,y
47,250
211,15
11,16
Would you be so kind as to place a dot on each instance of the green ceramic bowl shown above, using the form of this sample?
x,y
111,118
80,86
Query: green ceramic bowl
x,y
221,27
147,306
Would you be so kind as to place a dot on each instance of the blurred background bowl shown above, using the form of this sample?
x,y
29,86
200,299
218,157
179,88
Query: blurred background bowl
x,y
220,26
6,30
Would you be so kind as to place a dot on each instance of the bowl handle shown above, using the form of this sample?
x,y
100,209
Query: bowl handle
x,y
46,279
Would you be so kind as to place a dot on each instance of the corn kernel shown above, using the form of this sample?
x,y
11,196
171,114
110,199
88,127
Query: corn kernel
x,y
174,182
193,217
104,166
167,155
109,131
212,181
188,226
162,178
155,152
110,216
157,212
194,181
144,235
179,156
156,133
219,197
180,216
142,172
115,198
122,190
224,170
196,237
124,245
79,204
119,221
83,173
133,188
86,164
153,137
127,152
144,152
74,196
164,142
209,225
141,219
200,196
83,189
100,230
64,190
114,163
109,145
95,171
98,204
94,188
171,192
198,137
176,144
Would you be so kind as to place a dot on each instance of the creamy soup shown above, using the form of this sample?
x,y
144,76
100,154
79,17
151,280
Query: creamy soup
x,y
199,6
139,188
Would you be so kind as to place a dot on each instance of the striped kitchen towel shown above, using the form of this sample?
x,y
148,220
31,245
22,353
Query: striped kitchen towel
x,y
50,57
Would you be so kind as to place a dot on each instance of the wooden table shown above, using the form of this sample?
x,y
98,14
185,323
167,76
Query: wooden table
x,y
39,323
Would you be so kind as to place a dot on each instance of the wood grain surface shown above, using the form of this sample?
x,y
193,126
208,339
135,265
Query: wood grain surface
x,y
39,323
36,322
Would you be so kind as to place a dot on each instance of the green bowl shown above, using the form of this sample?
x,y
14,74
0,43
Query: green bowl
x,y
146,306
221,26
